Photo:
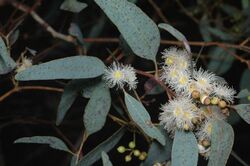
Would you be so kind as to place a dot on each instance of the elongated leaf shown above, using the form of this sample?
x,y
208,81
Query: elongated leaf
x,y
221,34
7,64
141,117
105,160
244,84
220,61
159,153
140,32
53,142
203,26
221,143
75,31
106,146
68,97
76,67
89,88
97,109
73,6
243,93
244,111
185,149
177,34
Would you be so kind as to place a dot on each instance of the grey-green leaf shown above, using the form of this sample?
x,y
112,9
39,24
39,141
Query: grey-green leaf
x,y
106,146
177,34
185,149
141,117
7,64
73,6
159,153
53,142
76,67
140,32
244,84
97,109
244,111
221,143
220,61
105,159
243,93
68,97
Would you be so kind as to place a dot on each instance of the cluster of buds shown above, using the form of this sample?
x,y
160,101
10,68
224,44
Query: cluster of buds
x,y
201,97
132,152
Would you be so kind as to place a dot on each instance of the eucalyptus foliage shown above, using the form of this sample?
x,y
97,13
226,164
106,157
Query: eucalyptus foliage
x,y
110,95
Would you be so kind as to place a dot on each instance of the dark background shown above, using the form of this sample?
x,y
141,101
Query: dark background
x,y
31,113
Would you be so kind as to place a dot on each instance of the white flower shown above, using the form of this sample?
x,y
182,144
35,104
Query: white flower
x,y
204,80
177,57
205,131
24,64
120,75
177,79
224,92
178,113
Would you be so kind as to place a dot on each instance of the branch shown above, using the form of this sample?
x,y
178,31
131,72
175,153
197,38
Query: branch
x,y
43,23
21,88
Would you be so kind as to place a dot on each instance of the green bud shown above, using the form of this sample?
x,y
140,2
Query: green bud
x,y
137,153
121,149
131,145
128,158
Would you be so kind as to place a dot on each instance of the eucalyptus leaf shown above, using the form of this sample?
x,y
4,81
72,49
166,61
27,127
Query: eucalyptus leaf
x,y
244,111
185,149
220,61
141,117
14,36
68,97
159,153
73,6
105,146
97,109
7,64
75,31
89,88
76,67
203,26
244,84
243,93
221,34
140,32
53,142
177,34
221,143
105,160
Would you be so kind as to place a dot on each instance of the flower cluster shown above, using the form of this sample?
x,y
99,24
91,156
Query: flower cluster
x,y
201,97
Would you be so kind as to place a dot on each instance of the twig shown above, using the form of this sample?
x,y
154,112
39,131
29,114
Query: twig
x,y
43,23
21,88
158,11
84,138
238,158
168,91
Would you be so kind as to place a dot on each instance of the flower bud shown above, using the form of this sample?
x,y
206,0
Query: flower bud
x,y
137,153
131,144
186,127
225,111
195,120
205,99
205,143
215,100
222,104
195,94
121,149
143,156
128,158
